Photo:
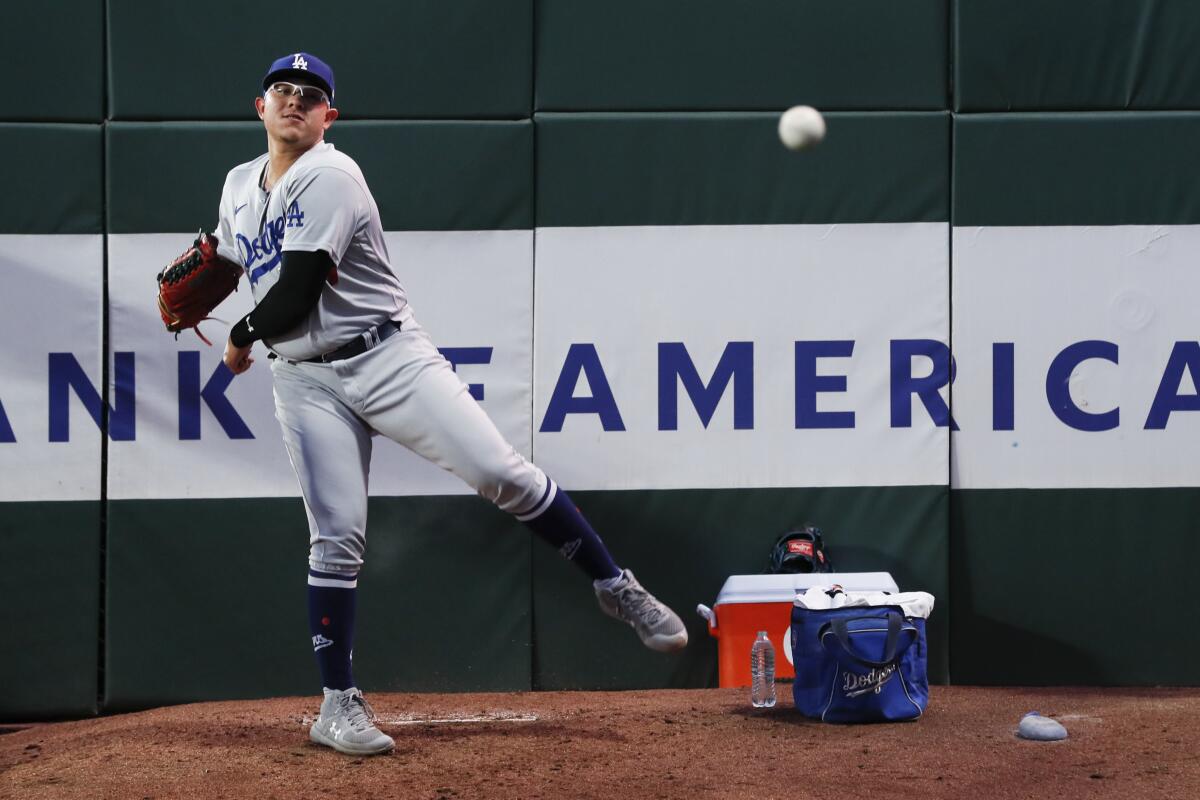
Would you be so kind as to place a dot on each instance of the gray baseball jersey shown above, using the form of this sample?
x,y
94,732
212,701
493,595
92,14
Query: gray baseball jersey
x,y
403,388
320,203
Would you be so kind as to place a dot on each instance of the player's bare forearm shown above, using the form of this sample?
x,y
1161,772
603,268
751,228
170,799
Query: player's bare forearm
x,y
237,358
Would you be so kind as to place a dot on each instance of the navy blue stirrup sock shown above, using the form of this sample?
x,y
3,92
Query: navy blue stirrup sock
x,y
331,604
559,522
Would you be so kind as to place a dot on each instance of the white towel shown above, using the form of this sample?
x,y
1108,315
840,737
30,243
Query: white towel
x,y
818,598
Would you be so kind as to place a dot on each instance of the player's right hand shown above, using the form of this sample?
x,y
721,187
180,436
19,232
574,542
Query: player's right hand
x,y
237,358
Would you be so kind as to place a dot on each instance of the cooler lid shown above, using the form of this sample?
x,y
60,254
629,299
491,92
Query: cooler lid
x,y
783,588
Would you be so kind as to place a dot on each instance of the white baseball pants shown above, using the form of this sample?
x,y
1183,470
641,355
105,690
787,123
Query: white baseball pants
x,y
405,390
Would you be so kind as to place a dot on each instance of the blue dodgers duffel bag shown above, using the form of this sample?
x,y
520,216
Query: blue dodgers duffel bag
x,y
862,660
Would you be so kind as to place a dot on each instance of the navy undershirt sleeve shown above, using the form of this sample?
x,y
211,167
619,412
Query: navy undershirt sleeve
x,y
301,277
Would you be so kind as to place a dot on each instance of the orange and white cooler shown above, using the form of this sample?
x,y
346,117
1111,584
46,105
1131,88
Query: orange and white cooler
x,y
748,604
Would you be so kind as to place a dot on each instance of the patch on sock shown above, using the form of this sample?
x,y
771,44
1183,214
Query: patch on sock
x,y
320,642
569,549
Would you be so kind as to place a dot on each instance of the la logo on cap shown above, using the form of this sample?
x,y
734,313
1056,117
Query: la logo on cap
x,y
299,63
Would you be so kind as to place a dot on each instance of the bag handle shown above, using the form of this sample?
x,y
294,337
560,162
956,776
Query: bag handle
x,y
840,629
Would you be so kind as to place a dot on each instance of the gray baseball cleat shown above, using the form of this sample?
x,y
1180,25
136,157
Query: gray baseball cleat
x,y
347,724
659,627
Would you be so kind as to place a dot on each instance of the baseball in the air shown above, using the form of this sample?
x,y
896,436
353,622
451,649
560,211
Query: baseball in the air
x,y
801,127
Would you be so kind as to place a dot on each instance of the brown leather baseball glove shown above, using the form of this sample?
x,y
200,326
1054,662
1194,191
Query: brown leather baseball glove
x,y
195,283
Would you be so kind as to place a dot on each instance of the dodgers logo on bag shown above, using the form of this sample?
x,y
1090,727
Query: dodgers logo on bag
x,y
861,662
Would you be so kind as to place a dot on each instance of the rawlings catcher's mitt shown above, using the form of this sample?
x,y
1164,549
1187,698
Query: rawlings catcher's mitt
x,y
801,550
191,286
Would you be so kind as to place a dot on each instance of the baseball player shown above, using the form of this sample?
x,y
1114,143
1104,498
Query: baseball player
x,y
349,360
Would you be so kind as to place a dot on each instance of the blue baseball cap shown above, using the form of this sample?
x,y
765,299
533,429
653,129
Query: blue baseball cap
x,y
301,65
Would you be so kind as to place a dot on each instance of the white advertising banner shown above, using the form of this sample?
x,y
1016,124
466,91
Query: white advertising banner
x,y
1078,354
50,371
202,434
742,356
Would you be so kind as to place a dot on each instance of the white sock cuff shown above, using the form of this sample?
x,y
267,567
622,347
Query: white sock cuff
x,y
543,504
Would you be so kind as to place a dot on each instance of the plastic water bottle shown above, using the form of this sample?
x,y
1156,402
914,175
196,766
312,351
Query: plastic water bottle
x,y
762,672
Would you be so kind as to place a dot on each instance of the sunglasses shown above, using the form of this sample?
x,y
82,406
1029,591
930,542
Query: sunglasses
x,y
309,95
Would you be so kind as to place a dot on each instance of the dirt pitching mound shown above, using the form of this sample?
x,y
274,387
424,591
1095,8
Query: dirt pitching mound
x,y
1128,744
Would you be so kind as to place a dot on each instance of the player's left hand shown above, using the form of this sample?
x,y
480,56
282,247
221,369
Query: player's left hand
x,y
237,358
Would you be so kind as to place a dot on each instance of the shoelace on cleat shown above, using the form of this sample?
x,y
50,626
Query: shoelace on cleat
x,y
640,604
358,712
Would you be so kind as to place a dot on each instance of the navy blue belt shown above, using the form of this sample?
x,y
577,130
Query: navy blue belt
x,y
359,344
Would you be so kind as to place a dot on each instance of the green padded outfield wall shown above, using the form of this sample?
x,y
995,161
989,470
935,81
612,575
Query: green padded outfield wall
x,y
693,55
1064,55
56,69
1075,503
1075,236
464,59
51,256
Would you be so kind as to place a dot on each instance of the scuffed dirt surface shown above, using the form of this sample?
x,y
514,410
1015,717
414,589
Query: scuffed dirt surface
x,y
1124,743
